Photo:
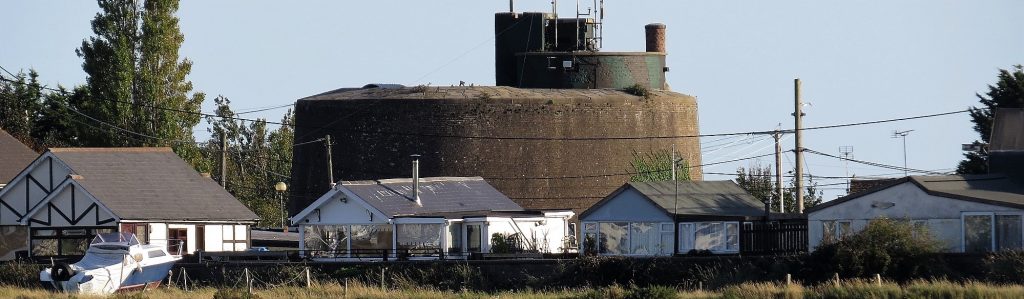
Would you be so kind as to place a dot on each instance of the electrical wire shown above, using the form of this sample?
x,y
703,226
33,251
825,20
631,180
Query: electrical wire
x,y
875,164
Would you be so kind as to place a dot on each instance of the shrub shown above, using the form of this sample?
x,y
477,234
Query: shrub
x,y
887,247
638,90
19,274
506,243
1005,266
653,292
234,294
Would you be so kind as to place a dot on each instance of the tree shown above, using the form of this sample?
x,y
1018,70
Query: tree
x,y
657,166
1007,93
257,158
136,80
759,181
20,99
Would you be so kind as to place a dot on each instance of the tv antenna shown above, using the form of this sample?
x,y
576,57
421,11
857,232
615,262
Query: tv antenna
x,y
903,135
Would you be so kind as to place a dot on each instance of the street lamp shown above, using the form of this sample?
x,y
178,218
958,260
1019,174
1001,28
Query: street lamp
x,y
281,187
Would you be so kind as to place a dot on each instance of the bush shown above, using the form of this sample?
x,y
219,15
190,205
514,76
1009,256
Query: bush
x,y
19,274
638,90
653,292
1005,266
234,294
887,247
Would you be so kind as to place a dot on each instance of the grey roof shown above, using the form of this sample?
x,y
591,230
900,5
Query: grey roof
x,y
151,184
1007,132
712,198
994,189
14,157
440,196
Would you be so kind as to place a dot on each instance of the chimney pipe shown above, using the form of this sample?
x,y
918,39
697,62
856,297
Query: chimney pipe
x,y
416,180
655,37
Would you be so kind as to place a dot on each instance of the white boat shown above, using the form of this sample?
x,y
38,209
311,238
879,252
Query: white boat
x,y
114,262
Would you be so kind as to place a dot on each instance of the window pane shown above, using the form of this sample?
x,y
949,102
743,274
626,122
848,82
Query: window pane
x,y
73,246
844,229
614,238
1008,232
707,236
13,238
644,239
371,240
455,237
977,233
828,232
474,243
419,238
732,236
686,235
44,247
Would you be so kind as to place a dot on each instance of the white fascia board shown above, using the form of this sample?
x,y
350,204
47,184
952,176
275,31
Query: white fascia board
x,y
565,213
432,220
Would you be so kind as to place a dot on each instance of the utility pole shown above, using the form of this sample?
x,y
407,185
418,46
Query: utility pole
x,y
799,150
675,199
903,134
778,172
330,161
223,160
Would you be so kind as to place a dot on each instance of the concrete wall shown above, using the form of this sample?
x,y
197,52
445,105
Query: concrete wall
x,y
416,121
941,214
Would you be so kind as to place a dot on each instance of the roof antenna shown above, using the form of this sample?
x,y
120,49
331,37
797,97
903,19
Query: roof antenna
x,y
511,6
416,179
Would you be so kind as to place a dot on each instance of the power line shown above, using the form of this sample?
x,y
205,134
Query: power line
x,y
874,163
616,174
244,111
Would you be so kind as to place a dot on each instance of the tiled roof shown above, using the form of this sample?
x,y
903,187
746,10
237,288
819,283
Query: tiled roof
x,y
14,157
151,184
439,196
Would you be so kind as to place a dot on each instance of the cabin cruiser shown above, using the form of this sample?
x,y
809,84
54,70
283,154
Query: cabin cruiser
x,y
114,262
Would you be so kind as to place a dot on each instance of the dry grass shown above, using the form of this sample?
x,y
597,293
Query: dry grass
x,y
845,289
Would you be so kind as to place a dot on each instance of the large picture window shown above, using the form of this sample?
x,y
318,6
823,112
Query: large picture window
x,y
835,230
419,239
984,232
628,238
719,237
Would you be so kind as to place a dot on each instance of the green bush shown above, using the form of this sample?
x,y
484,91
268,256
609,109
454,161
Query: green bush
x,y
19,274
506,243
1005,266
653,292
894,249
638,90
234,294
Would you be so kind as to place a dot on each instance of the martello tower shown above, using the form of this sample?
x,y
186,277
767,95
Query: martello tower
x,y
557,132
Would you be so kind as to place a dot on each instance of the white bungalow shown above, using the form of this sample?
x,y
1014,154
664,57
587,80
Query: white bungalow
x,y
449,217
68,195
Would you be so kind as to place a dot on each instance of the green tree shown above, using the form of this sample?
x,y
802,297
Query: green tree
x,y
1007,93
136,79
20,99
257,158
759,181
657,166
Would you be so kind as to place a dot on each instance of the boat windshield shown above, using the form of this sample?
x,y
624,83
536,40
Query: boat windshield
x,y
127,238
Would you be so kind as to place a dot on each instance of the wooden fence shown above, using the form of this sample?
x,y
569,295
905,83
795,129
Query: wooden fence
x,y
773,237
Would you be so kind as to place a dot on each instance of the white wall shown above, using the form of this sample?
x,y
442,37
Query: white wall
x,y
14,194
349,211
910,203
629,205
213,234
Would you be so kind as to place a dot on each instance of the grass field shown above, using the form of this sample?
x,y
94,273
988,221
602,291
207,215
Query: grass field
x,y
845,289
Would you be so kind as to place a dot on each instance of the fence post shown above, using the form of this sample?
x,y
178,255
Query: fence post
x,y
789,279
309,283
184,276
835,278
878,279
248,280
345,293
382,287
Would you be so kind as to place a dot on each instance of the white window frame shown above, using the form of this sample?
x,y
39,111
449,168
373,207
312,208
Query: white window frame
x,y
721,235
662,227
992,224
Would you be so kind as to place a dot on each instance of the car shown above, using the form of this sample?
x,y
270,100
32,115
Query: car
x,y
258,249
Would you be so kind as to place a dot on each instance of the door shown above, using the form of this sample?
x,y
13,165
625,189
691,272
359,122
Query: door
x,y
176,240
200,237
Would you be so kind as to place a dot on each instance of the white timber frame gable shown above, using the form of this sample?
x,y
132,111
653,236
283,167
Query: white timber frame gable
x,y
69,205
30,187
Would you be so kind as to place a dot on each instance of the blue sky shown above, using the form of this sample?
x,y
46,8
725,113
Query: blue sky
x,y
859,61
